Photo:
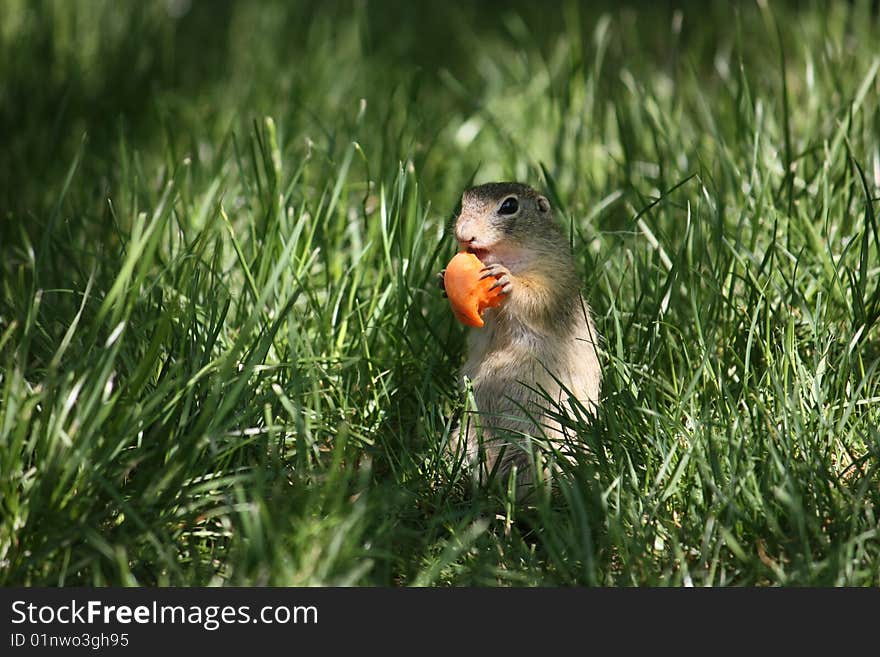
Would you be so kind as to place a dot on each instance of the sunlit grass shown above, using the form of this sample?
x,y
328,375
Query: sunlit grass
x,y
224,359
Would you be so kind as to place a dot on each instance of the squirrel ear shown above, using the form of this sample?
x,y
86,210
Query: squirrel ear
x,y
543,204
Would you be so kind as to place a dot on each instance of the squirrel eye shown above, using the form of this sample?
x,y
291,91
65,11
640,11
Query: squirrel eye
x,y
509,206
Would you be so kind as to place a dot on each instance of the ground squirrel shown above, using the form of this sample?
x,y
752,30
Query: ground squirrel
x,y
541,337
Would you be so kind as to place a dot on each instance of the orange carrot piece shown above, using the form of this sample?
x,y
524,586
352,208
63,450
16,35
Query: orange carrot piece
x,y
468,295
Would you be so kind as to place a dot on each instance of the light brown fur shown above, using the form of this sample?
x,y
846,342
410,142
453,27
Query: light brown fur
x,y
541,337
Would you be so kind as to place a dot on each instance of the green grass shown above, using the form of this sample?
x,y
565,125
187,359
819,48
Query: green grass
x,y
224,360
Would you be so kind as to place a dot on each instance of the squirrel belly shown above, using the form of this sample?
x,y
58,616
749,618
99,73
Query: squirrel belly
x,y
521,380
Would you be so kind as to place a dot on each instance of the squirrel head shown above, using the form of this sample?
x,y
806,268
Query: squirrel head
x,y
505,221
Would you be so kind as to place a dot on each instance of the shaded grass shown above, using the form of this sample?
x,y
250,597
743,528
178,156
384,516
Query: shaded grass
x,y
224,359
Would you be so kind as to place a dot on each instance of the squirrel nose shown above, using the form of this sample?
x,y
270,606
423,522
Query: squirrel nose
x,y
464,230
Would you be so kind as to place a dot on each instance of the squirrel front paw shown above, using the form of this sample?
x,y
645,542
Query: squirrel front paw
x,y
441,281
502,275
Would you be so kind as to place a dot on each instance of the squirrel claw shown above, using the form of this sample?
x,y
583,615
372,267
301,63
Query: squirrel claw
x,y
495,270
502,274
504,283
441,281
